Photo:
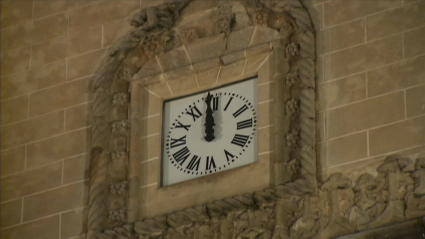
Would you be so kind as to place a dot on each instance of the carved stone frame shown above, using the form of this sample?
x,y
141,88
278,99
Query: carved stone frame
x,y
113,183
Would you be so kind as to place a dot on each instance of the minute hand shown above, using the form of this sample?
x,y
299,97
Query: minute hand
x,y
209,120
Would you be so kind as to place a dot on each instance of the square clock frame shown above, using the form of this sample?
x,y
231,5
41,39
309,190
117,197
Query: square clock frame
x,y
221,90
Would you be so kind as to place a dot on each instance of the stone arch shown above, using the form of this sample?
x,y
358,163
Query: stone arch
x,y
164,44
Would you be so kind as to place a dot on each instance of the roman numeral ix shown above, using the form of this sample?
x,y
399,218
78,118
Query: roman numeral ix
x,y
240,140
244,124
196,114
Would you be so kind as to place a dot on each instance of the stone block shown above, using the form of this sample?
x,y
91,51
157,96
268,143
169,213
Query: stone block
x,y
15,12
415,101
263,115
264,139
12,160
398,136
366,114
396,76
230,72
206,48
263,35
32,80
151,67
181,72
322,156
46,228
206,65
68,46
160,89
342,11
15,61
347,149
32,129
56,148
59,97
150,172
13,110
33,32
239,40
414,43
78,117
233,57
347,35
253,64
94,14
114,30
183,84
208,77
321,126
11,213
150,126
256,50
365,57
150,147
395,21
84,65
265,92
174,59
44,8
76,168
31,181
57,200
343,91
74,223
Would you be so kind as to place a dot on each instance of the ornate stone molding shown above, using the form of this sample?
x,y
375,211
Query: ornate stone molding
x,y
286,211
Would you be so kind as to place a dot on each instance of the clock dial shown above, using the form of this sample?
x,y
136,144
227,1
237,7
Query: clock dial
x,y
212,132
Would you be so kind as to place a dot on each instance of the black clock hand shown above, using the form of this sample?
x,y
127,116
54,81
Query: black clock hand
x,y
209,120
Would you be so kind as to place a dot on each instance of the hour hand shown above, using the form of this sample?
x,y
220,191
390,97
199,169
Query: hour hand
x,y
209,120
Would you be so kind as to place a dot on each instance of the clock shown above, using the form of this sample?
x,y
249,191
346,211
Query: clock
x,y
209,132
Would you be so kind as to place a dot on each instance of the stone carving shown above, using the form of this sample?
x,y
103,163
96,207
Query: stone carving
x,y
118,188
292,138
262,214
292,107
292,79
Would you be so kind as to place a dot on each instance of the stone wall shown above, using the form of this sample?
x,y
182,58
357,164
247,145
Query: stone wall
x,y
371,88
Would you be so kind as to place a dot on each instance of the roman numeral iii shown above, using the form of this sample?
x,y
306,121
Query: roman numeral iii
x,y
240,140
240,111
195,114
244,124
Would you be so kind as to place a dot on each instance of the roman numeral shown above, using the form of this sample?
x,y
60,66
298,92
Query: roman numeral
x,y
228,103
229,156
180,125
244,124
196,114
194,162
240,140
178,142
240,111
210,163
215,103
181,155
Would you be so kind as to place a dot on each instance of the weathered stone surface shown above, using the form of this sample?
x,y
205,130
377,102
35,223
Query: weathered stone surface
x,y
413,44
263,35
47,228
347,35
84,65
12,160
206,65
61,199
233,57
14,13
78,117
15,61
373,112
13,110
174,59
206,48
239,40
11,213
76,169
415,101
75,223
149,68
346,149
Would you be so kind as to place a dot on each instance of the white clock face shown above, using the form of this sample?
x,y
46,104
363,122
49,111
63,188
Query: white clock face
x,y
209,132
